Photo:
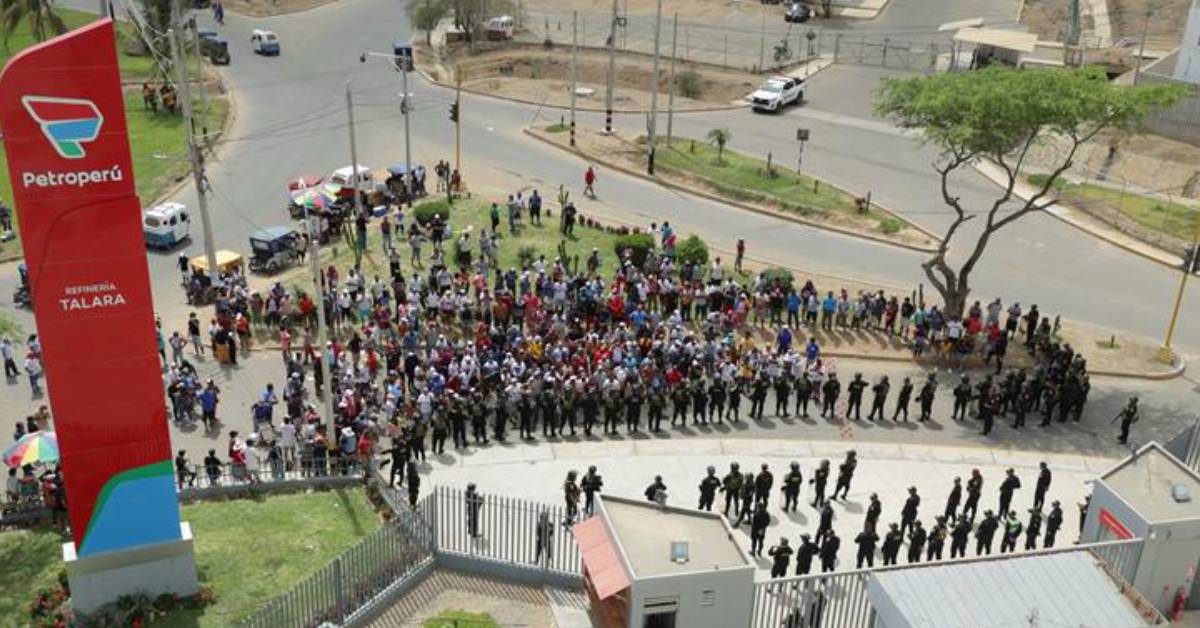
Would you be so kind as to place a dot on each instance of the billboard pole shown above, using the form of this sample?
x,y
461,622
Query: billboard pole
x,y
197,159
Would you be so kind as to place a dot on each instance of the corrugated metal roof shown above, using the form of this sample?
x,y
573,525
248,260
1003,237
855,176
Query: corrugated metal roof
x,y
1067,589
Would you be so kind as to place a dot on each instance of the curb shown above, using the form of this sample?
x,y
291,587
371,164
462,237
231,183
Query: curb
x,y
1096,233
262,16
733,203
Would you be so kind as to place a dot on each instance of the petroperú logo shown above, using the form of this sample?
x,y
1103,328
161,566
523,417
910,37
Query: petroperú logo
x,y
68,123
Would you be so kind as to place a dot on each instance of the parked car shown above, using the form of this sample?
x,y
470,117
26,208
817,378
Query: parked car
x,y
776,93
166,225
344,177
264,42
500,27
797,12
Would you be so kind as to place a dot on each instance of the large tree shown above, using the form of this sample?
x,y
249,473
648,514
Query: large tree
x,y
39,14
998,114
425,15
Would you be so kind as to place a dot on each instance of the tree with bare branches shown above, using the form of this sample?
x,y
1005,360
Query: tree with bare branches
x,y
998,114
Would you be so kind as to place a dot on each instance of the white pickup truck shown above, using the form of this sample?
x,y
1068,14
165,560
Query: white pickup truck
x,y
777,92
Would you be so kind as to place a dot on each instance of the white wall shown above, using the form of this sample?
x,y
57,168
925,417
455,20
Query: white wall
x,y
1168,557
1187,65
733,601
1104,497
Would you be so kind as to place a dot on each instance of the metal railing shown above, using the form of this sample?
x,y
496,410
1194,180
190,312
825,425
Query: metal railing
x,y
1186,446
340,588
507,531
839,600
229,475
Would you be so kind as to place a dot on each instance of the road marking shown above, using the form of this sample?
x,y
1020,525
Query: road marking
x,y
858,123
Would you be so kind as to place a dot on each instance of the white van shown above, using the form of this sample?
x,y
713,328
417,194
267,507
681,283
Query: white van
x,y
345,178
166,225
500,27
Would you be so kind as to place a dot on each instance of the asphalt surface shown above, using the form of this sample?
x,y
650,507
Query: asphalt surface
x,y
291,118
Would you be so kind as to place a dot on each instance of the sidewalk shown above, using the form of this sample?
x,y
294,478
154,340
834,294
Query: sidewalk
x,y
628,467
1080,220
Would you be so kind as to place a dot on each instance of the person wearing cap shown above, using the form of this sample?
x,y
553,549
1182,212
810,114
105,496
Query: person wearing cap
x,y
1010,484
1012,532
936,540
985,533
874,509
1033,529
891,544
1053,522
908,515
1042,486
959,536
974,490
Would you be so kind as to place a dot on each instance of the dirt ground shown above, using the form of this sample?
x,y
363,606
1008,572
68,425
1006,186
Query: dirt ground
x,y
533,74
266,8
687,9
1048,18
1146,161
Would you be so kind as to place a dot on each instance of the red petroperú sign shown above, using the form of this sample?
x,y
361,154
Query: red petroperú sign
x,y
62,114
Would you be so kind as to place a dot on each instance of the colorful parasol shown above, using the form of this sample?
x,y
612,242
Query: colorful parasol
x,y
32,448
320,197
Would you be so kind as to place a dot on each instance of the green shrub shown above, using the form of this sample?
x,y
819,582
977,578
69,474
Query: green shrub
x,y
778,277
689,83
425,212
890,225
692,250
526,255
640,245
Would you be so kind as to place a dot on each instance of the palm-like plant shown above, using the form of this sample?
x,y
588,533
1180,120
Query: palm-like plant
x,y
43,21
719,138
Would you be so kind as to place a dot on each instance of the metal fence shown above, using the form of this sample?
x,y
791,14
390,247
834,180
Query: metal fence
x,y
352,580
229,475
509,530
839,600
1186,446
1180,121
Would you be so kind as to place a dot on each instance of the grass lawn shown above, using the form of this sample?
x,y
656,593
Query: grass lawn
x,y
151,133
1172,219
460,619
247,550
743,177
474,214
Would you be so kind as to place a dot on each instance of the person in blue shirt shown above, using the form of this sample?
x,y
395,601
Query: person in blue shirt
x,y
812,351
208,405
793,309
828,308
783,341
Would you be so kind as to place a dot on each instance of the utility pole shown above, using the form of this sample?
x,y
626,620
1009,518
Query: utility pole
x,y
612,66
200,77
197,158
654,93
1137,66
762,41
1166,354
313,225
671,80
574,77
353,153
407,107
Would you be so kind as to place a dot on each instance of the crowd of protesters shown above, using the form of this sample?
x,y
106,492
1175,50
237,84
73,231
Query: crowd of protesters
x,y
461,349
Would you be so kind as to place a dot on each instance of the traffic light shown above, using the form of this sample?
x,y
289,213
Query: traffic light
x,y
454,111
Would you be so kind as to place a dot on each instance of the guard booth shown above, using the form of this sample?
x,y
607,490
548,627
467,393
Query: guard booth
x,y
1151,495
649,565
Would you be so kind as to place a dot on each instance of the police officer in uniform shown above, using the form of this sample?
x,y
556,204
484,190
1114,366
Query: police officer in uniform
x,y
974,490
866,541
731,485
1012,532
879,398
783,392
804,390
791,487
908,515
1011,483
762,485
962,398
1128,416
758,529
591,484
780,555
571,496
804,555
953,499
873,511
958,538
928,392
708,489
845,474
916,542
830,391
747,499
937,539
891,544
825,521
829,551
854,402
902,399
1053,522
1033,529
474,503
1042,486
818,480
986,533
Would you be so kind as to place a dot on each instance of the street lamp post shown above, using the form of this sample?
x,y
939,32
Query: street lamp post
x,y
401,66
1166,353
